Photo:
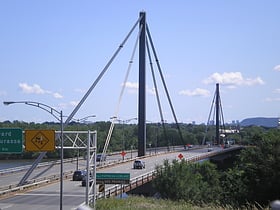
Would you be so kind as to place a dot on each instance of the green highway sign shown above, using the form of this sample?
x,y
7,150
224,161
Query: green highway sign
x,y
112,178
10,140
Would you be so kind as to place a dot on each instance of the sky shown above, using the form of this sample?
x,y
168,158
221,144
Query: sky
x,y
52,51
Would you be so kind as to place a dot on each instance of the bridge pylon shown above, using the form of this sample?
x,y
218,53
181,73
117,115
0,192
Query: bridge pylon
x,y
142,87
219,118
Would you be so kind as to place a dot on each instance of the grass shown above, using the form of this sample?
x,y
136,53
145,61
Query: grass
x,y
142,203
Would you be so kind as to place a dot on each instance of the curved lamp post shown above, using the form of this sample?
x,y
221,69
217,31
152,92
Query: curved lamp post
x,y
82,120
57,115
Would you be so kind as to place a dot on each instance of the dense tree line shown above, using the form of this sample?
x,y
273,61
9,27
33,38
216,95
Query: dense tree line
x,y
254,179
125,136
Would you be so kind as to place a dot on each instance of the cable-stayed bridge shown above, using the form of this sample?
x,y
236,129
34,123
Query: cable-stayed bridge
x,y
42,192
146,50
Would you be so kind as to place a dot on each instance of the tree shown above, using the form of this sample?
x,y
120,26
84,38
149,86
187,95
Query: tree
x,y
261,167
193,182
234,185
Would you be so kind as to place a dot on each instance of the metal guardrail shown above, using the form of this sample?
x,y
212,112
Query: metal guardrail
x,y
5,190
24,187
26,167
115,190
145,178
134,183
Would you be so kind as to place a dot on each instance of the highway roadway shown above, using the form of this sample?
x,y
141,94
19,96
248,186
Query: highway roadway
x,y
12,178
48,197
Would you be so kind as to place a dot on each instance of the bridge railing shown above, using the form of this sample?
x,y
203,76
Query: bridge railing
x,y
147,177
26,167
112,191
7,189
134,183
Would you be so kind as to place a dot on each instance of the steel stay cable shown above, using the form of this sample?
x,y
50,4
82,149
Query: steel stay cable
x,y
207,124
120,96
101,74
154,81
164,84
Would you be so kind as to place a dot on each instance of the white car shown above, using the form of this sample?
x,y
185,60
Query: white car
x,y
138,164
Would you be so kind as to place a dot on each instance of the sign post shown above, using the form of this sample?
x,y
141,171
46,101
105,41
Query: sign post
x,y
180,156
10,140
123,153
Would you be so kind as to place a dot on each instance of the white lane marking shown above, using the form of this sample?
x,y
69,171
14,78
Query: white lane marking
x,y
48,194
6,206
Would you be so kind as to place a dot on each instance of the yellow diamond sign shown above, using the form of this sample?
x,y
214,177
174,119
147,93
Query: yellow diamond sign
x,y
39,140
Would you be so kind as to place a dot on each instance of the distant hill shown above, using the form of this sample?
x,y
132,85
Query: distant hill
x,y
270,122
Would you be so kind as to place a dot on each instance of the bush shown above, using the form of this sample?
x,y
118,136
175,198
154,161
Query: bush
x,y
197,183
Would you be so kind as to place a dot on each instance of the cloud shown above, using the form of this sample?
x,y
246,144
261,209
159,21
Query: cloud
x,y
151,91
36,89
67,105
272,99
277,90
232,79
3,93
74,103
134,86
131,85
78,90
195,92
277,68
57,95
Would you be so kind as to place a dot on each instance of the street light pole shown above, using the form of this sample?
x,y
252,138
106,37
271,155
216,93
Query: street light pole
x,y
61,160
59,116
123,122
82,120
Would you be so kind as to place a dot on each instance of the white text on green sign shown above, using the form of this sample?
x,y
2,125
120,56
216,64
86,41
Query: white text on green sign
x,y
112,178
10,140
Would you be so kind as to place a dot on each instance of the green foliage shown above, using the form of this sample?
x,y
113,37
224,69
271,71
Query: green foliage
x,y
254,179
141,203
197,183
234,185
124,136
261,167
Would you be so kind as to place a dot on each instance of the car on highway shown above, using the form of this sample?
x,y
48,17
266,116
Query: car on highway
x,y
189,146
100,157
79,175
210,149
138,164
84,181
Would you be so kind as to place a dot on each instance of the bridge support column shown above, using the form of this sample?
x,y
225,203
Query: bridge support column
x,y
142,88
217,114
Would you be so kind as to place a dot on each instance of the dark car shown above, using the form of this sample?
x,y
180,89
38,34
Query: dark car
x,y
79,175
100,157
138,164
84,181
